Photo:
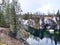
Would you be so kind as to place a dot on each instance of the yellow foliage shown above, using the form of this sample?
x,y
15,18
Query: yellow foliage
x,y
2,44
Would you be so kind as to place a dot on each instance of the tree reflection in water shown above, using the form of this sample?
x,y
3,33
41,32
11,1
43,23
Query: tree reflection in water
x,y
44,33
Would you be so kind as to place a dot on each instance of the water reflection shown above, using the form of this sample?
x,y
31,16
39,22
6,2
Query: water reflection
x,y
44,37
44,41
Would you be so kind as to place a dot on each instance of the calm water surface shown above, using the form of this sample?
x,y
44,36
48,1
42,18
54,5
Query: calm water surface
x,y
45,38
37,41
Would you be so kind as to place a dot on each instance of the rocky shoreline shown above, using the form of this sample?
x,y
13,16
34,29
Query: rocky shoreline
x,y
7,40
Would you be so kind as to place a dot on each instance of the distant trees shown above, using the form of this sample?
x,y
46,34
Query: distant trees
x,y
10,15
58,20
26,16
58,13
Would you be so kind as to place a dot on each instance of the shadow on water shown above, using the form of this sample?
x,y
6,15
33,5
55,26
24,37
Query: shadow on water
x,y
42,33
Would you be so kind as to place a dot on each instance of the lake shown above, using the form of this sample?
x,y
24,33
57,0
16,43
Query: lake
x,y
44,41
45,38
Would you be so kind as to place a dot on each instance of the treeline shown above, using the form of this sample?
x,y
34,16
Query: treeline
x,y
36,16
31,15
9,15
11,11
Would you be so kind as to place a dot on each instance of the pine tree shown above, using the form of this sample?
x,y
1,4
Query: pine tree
x,y
2,20
14,23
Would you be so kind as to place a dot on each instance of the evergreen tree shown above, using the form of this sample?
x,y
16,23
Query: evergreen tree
x,y
2,20
14,22
58,14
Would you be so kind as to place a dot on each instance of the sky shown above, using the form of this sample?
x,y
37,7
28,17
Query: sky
x,y
42,6
0,1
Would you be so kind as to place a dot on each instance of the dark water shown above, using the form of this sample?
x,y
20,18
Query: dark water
x,y
44,38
